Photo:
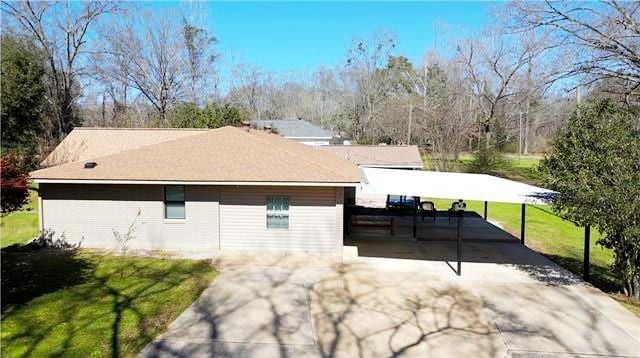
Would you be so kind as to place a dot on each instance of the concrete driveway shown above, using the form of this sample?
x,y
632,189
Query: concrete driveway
x,y
388,308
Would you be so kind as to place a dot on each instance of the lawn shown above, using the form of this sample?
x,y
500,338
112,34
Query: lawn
x,y
56,303
22,225
519,168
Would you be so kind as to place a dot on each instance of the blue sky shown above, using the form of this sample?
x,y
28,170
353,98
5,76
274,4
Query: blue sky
x,y
299,36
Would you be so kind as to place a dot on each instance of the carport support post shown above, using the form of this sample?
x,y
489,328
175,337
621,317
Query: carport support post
x,y
587,246
459,237
414,223
486,204
522,223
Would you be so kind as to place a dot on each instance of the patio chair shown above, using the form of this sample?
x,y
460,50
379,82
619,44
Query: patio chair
x,y
428,208
457,209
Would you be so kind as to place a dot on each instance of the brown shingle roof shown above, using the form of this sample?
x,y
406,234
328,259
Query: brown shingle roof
x,y
378,155
85,143
226,154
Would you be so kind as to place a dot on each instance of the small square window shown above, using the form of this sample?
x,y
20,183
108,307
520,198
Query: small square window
x,y
174,207
277,212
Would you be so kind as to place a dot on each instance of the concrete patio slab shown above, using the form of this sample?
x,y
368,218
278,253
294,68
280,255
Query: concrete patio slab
x,y
360,311
247,311
553,319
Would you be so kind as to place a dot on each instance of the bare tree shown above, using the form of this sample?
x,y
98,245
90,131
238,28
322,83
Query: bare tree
x,y
493,66
148,50
603,38
363,74
60,29
200,59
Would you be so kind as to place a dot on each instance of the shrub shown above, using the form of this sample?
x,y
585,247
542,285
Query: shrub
x,y
13,182
487,161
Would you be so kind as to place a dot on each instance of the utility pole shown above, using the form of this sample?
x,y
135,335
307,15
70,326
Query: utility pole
x,y
410,120
520,136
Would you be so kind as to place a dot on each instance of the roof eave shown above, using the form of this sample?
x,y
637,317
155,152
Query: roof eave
x,y
198,182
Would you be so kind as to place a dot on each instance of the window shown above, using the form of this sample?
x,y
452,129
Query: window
x,y
174,202
277,212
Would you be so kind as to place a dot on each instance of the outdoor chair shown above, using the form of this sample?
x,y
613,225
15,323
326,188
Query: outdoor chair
x,y
456,210
428,208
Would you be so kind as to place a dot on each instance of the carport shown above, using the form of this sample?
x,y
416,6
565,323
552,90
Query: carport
x,y
466,186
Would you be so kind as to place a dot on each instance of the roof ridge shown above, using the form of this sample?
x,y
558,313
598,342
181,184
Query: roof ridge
x,y
299,156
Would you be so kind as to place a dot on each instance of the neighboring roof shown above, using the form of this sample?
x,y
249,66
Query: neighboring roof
x,y
446,185
399,156
225,154
85,142
294,128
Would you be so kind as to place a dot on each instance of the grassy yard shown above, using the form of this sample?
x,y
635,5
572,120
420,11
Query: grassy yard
x,y
56,303
22,225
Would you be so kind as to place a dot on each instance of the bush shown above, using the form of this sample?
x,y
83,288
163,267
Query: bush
x,y
595,168
488,161
13,182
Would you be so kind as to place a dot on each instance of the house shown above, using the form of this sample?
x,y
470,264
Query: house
x,y
298,130
379,156
205,191
376,156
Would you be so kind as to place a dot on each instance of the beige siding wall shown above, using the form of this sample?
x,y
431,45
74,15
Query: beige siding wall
x,y
313,219
91,213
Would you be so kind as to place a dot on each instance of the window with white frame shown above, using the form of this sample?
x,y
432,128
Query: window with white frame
x,y
277,212
174,202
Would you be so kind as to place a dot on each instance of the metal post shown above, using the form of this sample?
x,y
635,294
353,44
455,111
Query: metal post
x,y
414,223
522,223
486,204
587,246
459,237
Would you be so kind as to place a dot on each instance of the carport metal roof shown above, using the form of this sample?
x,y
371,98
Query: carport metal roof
x,y
445,185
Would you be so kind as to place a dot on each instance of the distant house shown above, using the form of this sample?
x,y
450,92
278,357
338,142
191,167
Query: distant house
x,y
379,156
205,191
375,156
298,130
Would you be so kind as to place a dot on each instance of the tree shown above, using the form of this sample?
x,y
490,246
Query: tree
x,y
60,29
188,115
364,74
595,167
603,38
200,57
22,94
14,182
151,51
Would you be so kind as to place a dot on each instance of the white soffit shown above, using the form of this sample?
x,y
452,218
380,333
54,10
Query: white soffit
x,y
445,185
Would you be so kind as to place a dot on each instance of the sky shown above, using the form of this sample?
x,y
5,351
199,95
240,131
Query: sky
x,y
300,36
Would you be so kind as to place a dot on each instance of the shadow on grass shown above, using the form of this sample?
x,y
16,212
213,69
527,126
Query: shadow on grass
x,y
601,276
81,303
27,274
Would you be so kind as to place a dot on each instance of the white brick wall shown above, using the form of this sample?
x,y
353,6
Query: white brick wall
x,y
91,213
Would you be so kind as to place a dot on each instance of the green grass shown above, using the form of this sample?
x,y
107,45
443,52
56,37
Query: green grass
x,y
520,168
20,226
56,303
